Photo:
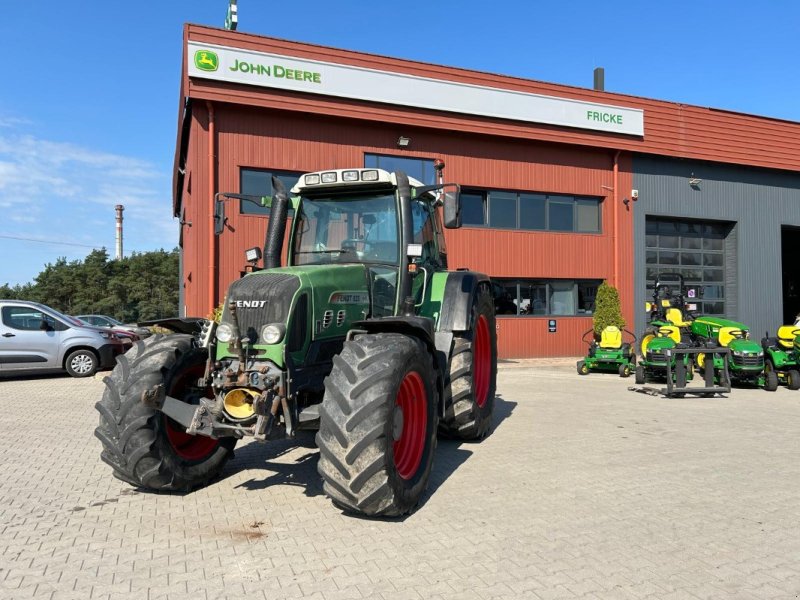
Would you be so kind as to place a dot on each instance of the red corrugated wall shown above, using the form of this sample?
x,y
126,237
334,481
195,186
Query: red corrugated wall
x,y
260,138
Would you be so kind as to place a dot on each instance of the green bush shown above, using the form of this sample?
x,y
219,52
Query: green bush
x,y
607,309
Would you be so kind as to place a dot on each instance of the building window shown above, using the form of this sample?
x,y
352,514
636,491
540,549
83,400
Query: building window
x,y
694,249
537,297
258,182
530,212
420,169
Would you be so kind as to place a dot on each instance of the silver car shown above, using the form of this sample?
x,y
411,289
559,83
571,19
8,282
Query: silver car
x,y
111,323
34,336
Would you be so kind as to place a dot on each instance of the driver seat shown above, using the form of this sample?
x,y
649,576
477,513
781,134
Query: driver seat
x,y
611,338
675,316
786,335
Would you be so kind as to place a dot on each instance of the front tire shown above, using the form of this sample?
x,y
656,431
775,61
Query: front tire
x,y
640,375
472,376
771,381
81,363
378,424
141,444
793,379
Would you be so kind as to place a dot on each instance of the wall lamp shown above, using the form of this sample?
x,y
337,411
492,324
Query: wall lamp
x,y
695,182
403,141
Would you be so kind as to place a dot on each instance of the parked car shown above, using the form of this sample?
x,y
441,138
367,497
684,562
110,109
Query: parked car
x,y
106,321
124,335
34,336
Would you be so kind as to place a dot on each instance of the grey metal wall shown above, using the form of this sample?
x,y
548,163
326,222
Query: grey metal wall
x,y
757,201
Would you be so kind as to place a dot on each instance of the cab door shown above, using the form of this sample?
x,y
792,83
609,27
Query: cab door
x,y
29,338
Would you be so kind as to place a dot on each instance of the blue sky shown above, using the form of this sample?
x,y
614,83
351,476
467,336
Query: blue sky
x,y
88,95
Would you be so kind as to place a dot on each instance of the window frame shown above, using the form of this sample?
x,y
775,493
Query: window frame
x,y
505,283
565,199
270,172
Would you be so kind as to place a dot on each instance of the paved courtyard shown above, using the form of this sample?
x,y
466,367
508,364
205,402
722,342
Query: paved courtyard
x,y
584,490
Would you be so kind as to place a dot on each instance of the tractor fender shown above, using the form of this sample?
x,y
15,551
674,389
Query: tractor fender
x,y
459,291
437,344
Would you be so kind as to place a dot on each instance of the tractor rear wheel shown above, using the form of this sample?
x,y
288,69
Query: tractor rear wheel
x,y
141,444
793,379
472,376
378,423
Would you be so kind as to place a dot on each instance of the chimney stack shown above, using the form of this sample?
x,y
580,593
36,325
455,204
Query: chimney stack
x,y
119,208
600,79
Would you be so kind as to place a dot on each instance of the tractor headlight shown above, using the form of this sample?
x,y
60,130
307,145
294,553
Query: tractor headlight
x,y
760,353
224,333
272,333
738,353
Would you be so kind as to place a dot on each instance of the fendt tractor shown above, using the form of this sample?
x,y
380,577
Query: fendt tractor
x,y
364,336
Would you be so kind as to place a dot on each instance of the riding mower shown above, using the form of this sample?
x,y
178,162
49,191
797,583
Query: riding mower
x,y
782,355
747,357
659,354
609,354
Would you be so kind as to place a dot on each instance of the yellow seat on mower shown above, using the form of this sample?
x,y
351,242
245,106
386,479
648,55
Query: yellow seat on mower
x,y
728,334
611,337
675,316
787,335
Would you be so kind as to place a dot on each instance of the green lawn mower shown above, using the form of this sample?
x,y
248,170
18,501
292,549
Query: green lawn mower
x,y
659,353
747,357
610,354
782,355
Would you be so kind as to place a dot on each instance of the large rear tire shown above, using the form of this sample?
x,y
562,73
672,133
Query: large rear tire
x,y
378,423
141,444
472,376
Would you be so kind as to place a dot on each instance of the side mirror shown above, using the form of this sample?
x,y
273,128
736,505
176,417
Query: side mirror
x,y
219,216
45,326
452,209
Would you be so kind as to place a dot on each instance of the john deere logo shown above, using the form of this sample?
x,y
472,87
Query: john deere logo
x,y
205,60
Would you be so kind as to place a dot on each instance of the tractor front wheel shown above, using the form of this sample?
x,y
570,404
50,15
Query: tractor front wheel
x,y
582,368
624,370
793,379
141,444
472,377
771,381
378,424
640,374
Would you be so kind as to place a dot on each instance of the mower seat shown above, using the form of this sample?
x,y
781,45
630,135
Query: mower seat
x,y
611,338
728,334
675,316
670,331
786,335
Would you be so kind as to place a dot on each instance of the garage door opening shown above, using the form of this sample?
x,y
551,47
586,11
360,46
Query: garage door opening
x,y
790,267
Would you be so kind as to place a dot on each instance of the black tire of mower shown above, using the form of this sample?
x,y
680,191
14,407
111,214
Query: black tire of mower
x,y
640,375
771,381
134,436
355,438
624,371
89,357
582,368
793,379
464,418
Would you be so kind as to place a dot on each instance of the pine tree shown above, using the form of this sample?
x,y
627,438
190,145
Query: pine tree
x,y
607,309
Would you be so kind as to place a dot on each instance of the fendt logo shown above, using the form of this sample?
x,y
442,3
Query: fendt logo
x,y
206,60
251,303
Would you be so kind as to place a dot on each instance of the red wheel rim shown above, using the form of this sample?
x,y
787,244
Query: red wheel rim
x,y
189,447
411,405
481,361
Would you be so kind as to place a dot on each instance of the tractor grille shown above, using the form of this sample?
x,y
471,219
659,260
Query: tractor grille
x,y
340,317
748,361
656,358
261,299
327,319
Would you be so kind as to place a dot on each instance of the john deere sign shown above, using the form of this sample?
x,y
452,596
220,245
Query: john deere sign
x,y
346,81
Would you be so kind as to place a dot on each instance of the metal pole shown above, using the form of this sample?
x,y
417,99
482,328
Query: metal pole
x,y
119,208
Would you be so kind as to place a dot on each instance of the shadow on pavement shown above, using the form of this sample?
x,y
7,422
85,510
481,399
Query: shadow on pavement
x,y
302,472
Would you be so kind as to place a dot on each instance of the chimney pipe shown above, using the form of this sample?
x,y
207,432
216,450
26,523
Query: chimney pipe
x,y
119,208
600,79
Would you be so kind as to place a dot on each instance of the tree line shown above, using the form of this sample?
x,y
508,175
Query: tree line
x,y
139,287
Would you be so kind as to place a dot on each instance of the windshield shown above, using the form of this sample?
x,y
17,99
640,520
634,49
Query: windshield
x,y
362,229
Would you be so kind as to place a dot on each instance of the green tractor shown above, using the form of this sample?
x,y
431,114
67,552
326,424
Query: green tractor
x,y
667,330
610,354
364,336
782,355
746,365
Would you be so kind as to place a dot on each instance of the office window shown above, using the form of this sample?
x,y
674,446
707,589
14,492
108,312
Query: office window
x,y
529,211
258,182
420,169
536,297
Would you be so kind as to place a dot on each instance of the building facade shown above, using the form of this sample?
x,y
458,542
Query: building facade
x,y
550,176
